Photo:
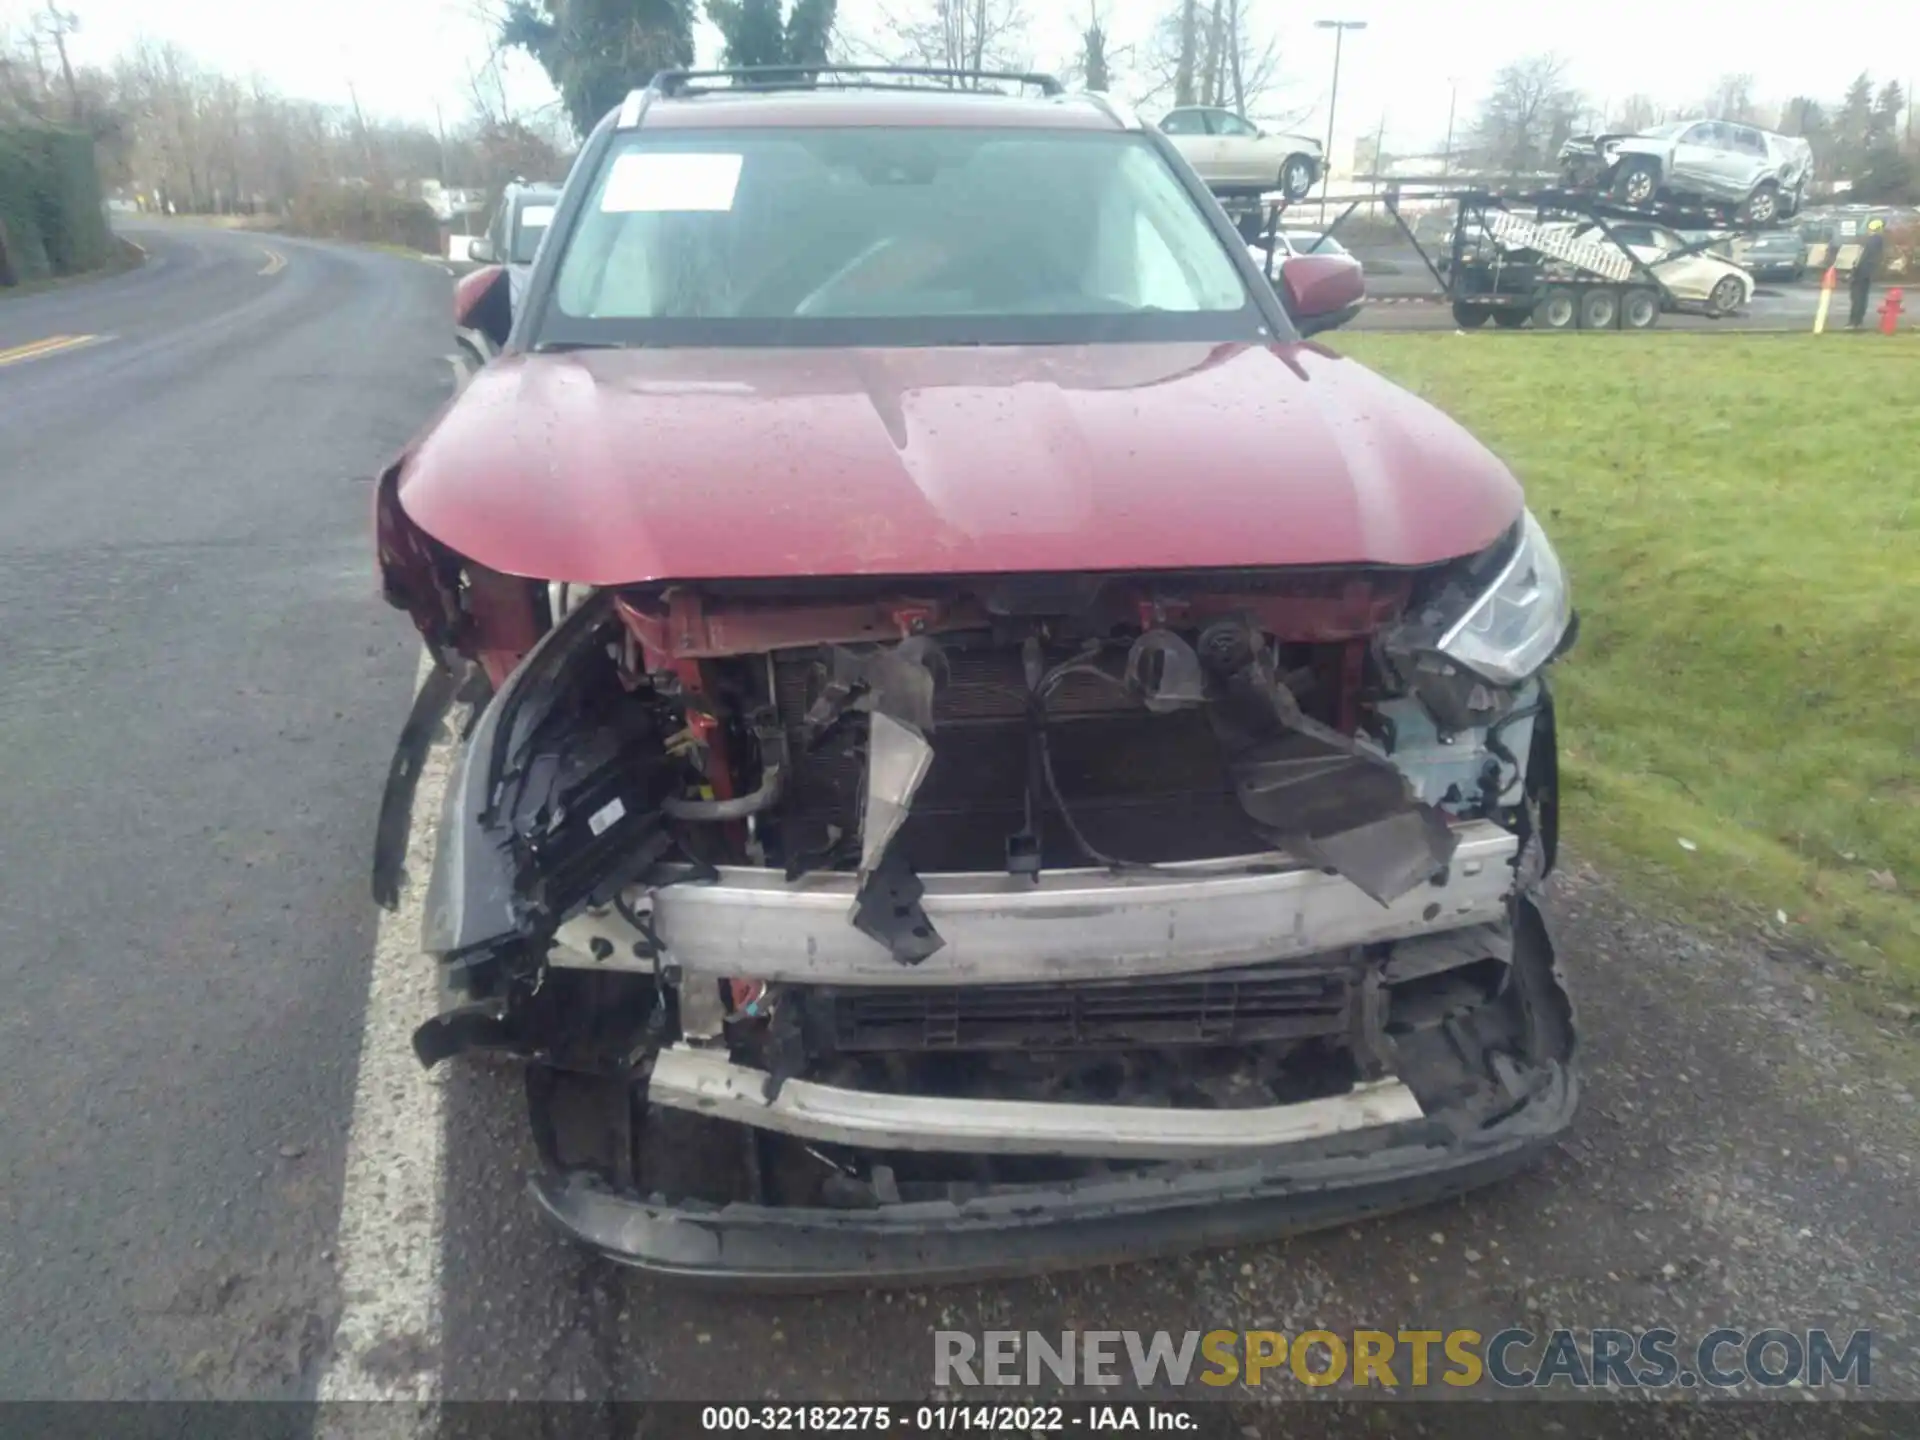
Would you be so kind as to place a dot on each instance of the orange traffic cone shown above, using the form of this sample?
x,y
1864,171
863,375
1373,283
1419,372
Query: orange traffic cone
x,y
1827,282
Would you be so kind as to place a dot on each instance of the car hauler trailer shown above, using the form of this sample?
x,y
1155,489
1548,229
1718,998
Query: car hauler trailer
x,y
1547,256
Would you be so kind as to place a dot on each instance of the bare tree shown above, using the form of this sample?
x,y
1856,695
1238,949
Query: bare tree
x,y
1732,99
961,35
1230,61
1637,112
1527,116
1093,51
1187,35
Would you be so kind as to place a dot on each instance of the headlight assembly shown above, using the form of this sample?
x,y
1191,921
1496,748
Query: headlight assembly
x,y
1518,621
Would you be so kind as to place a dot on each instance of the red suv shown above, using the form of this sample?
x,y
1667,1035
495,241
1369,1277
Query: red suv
x,y
990,751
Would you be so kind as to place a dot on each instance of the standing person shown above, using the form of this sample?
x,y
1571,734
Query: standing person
x,y
1866,268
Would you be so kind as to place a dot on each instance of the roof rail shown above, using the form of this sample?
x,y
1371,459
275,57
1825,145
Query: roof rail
x,y
670,83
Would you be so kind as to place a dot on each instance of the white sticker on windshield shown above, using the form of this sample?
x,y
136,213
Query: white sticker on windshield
x,y
665,181
537,217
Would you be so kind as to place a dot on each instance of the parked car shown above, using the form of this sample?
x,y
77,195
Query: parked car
x,y
1771,254
1698,279
1756,172
1231,153
507,252
990,753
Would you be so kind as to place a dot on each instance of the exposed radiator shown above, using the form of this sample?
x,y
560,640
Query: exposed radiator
x,y
1257,1003
1142,787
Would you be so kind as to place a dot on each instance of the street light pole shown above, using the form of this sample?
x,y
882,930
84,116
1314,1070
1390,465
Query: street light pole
x,y
1339,28
1453,95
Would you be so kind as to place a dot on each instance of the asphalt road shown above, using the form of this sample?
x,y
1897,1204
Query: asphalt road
x,y
198,1178
200,694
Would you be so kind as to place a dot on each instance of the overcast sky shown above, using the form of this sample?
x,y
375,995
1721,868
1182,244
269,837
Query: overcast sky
x,y
404,55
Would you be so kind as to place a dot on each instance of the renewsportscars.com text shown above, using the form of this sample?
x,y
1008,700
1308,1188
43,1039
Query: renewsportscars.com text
x,y
1395,1359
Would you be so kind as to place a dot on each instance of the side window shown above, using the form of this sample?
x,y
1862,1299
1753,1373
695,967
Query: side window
x,y
1631,234
1184,122
1225,122
1749,140
1705,133
497,231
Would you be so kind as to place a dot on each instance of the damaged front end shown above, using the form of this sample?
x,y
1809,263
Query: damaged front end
x,y
854,933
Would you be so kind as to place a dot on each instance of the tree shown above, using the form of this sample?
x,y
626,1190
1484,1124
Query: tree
x,y
754,33
963,35
1732,99
1528,114
1637,113
1853,127
1228,61
1093,51
1889,178
595,51
1889,111
1188,32
1807,118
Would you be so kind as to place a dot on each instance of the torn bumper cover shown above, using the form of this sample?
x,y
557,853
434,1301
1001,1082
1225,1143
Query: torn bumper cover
x,y
1122,1218
826,970
1474,1049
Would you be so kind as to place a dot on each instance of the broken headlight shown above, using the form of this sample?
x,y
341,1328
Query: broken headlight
x,y
1519,620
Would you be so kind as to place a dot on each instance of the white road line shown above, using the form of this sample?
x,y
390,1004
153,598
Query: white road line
x,y
387,1346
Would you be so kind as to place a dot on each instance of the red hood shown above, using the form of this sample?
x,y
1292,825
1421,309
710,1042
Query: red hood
x,y
615,466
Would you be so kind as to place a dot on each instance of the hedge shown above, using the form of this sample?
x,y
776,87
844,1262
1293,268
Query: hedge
x,y
359,213
52,220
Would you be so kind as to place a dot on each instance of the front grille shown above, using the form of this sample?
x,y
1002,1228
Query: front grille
x,y
1223,1007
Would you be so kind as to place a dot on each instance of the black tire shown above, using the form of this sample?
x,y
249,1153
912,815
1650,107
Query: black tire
x,y
1511,319
1763,205
1600,310
1557,309
1637,181
1470,317
1727,295
1296,177
1640,308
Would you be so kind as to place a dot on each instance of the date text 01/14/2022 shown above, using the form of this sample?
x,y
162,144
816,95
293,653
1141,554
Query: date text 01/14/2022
x,y
943,1419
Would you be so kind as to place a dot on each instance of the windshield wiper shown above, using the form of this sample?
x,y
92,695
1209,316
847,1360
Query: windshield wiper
x,y
561,347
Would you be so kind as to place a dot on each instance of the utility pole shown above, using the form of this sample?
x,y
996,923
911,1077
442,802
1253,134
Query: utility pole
x,y
61,23
1453,96
1339,28
366,142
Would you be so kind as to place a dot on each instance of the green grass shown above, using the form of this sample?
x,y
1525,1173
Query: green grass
x,y
1741,518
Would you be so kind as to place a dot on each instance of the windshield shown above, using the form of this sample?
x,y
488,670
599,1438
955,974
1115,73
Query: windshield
x,y
891,236
534,220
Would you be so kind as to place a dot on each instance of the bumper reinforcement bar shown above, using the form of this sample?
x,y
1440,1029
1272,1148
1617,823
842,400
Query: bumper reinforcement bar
x,y
706,1083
